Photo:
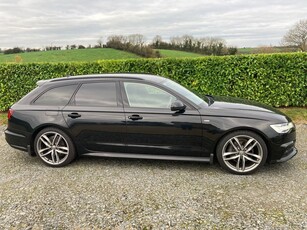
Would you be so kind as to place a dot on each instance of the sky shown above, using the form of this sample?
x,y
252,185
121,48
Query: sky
x,y
242,23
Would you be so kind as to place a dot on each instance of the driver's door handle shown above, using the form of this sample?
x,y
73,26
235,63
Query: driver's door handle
x,y
135,117
74,115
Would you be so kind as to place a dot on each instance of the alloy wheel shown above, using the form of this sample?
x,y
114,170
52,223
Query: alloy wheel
x,y
52,148
242,153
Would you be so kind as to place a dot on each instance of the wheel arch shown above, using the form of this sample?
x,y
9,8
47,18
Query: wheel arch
x,y
40,128
244,128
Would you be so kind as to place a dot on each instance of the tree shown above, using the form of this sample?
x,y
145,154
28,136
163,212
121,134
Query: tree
x,y
137,39
134,43
158,43
176,42
99,43
232,50
157,40
297,36
15,50
187,42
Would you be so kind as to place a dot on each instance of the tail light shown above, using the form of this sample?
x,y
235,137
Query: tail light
x,y
10,114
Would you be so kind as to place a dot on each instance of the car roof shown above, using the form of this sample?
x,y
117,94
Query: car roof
x,y
129,76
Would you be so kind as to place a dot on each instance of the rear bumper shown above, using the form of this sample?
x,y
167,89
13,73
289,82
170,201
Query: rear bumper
x,y
16,140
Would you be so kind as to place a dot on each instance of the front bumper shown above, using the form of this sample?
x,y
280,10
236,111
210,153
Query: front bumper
x,y
283,152
290,151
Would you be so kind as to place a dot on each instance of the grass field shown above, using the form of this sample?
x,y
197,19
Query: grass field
x,y
297,114
258,50
3,118
108,53
84,55
246,50
67,56
177,54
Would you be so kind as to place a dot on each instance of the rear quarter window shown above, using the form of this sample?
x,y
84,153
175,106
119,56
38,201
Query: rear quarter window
x,y
57,96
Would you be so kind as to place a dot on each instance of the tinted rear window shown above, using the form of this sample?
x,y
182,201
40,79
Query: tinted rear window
x,y
97,94
58,96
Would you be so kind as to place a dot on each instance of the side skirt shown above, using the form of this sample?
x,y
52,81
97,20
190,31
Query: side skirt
x,y
153,157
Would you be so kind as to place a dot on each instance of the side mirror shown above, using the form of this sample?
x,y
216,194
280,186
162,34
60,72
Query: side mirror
x,y
177,106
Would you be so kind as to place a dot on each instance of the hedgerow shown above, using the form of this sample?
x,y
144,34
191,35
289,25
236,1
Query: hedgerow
x,y
277,79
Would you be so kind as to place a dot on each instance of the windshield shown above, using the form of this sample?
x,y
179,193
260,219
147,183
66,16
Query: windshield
x,y
183,91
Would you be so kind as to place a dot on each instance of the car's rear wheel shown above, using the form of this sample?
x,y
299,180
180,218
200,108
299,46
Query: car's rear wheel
x,y
242,152
54,147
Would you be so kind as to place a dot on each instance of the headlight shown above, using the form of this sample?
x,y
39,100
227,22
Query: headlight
x,y
283,128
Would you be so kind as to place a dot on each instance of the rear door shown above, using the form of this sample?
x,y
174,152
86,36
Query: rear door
x,y
96,118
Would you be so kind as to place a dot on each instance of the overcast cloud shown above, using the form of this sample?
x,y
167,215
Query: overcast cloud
x,y
243,23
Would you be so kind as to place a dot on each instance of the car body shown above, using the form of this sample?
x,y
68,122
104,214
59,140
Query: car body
x,y
149,117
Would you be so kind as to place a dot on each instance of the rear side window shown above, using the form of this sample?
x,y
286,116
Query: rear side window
x,y
97,94
58,96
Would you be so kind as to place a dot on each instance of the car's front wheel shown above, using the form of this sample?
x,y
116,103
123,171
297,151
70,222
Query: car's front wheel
x,y
242,152
54,147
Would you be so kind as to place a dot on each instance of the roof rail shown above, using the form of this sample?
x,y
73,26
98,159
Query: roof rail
x,y
97,76
41,82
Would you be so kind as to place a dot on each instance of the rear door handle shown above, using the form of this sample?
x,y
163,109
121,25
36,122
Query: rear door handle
x,y
74,115
135,117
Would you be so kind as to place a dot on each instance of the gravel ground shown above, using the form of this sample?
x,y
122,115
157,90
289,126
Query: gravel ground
x,y
98,193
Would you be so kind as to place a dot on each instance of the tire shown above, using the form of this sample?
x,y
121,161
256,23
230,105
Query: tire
x,y
241,152
54,147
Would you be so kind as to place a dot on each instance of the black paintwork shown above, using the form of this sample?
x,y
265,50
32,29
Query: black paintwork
x,y
193,132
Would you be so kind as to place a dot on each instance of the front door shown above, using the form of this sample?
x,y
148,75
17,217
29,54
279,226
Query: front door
x,y
152,128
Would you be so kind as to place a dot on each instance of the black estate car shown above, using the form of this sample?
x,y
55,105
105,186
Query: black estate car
x,y
146,117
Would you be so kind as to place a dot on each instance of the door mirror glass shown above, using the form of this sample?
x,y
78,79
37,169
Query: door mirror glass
x,y
178,106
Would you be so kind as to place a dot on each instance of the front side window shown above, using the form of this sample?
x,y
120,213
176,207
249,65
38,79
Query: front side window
x,y
183,91
97,94
58,96
147,96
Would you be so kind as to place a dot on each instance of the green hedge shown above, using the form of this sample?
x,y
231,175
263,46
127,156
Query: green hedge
x,y
277,79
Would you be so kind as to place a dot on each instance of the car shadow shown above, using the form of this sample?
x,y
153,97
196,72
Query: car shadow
x,y
278,168
143,163
85,162
268,170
